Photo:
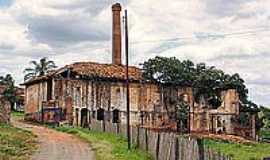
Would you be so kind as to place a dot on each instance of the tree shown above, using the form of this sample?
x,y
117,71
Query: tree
x,y
6,80
207,81
236,82
40,68
168,71
182,114
264,116
207,84
10,92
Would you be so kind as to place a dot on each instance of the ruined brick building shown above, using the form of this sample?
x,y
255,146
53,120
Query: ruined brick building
x,y
5,107
84,91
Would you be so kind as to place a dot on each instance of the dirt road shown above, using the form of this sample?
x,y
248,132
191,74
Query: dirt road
x,y
55,145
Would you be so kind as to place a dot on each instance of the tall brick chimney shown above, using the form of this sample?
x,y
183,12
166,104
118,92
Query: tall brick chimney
x,y
116,34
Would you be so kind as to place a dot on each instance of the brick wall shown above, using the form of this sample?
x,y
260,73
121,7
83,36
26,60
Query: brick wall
x,y
4,111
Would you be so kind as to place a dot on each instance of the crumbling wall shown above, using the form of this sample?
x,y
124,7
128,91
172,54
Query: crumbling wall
x,y
117,92
149,103
109,96
112,95
91,95
206,119
35,95
68,95
5,109
230,101
160,103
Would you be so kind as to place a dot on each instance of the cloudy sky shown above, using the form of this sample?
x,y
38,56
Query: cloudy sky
x,y
232,35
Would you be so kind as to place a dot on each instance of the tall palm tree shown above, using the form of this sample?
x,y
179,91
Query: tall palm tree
x,y
40,68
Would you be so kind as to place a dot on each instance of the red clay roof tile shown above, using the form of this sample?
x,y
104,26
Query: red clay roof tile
x,y
105,70
91,69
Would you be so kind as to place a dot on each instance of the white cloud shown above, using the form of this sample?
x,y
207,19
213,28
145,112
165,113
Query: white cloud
x,y
233,35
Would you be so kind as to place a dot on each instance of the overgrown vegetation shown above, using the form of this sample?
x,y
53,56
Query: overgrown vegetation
x,y
240,151
15,144
264,115
107,146
207,81
17,115
264,135
182,112
264,119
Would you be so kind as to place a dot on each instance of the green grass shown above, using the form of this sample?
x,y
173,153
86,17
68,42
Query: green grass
x,y
265,134
240,151
107,146
16,114
15,144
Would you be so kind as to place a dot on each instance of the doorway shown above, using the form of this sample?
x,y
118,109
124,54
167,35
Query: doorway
x,y
84,115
